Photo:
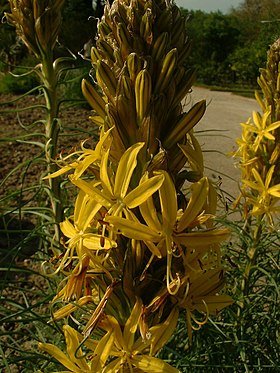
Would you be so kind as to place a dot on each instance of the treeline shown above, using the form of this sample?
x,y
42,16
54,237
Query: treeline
x,y
230,49
226,49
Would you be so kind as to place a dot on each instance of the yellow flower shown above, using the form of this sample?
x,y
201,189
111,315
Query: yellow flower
x,y
87,158
193,153
263,198
83,232
201,294
170,229
113,190
262,127
75,360
263,187
198,293
120,349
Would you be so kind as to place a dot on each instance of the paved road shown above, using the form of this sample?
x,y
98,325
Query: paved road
x,y
225,111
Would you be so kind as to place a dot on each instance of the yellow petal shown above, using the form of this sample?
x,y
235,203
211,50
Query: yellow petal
x,y
60,172
133,229
200,239
84,164
212,200
104,177
148,211
102,352
68,229
66,310
207,283
60,356
161,333
111,325
168,202
196,202
214,303
98,242
79,203
274,191
152,364
132,323
153,248
257,177
73,339
95,193
257,119
193,154
85,210
269,176
101,143
252,185
273,126
113,366
125,169
145,190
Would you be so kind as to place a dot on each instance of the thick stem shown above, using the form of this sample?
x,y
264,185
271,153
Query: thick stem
x,y
52,131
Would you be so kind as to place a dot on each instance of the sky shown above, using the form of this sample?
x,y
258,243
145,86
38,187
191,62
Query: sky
x,y
208,5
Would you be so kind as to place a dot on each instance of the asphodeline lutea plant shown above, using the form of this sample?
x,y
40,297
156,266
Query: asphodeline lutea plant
x,y
37,23
259,147
141,245
258,154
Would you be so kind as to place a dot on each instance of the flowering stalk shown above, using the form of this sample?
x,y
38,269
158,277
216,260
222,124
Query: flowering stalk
x,y
37,23
258,154
50,81
141,246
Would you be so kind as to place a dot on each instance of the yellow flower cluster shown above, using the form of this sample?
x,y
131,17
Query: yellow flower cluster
x,y
259,148
134,248
141,245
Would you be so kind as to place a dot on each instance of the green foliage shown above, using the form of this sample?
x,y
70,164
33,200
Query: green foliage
x,y
24,295
70,88
21,80
230,49
229,342
214,37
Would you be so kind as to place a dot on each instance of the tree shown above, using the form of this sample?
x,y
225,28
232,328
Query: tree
x,y
215,37
260,27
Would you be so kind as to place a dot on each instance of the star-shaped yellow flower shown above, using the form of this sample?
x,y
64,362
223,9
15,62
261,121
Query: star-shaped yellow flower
x,y
119,349
114,191
264,196
167,232
262,128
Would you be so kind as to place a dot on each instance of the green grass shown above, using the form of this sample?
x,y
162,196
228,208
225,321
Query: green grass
x,y
238,339
240,91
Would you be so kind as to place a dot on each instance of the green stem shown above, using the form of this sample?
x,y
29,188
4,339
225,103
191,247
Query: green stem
x,y
52,131
245,284
251,259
